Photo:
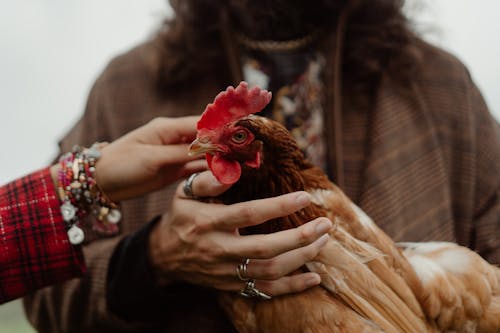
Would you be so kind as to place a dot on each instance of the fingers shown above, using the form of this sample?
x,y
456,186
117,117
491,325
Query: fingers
x,y
194,166
286,263
271,275
174,130
289,284
204,185
255,212
270,245
170,154
165,131
244,214
284,285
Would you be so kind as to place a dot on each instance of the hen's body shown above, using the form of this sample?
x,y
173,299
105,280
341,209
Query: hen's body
x,y
368,284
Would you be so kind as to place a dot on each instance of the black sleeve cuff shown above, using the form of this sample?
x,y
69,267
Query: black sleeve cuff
x,y
133,295
131,291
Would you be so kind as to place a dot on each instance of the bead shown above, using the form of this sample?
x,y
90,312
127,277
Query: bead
x,y
114,216
75,185
104,210
68,211
80,194
76,235
75,170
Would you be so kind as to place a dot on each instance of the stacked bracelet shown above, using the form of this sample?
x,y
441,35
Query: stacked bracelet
x,y
80,194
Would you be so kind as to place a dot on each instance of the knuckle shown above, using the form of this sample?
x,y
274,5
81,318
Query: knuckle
x,y
261,251
219,250
294,284
157,122
202,223
268,287
304,236
273,270
211,252
283,206
248,213
311,253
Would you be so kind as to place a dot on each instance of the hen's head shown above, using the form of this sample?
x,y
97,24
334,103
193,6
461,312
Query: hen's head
x,y
227,143
223,136
256,154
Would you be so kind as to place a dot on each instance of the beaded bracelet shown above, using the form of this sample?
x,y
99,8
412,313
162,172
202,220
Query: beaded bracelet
x,y
80,194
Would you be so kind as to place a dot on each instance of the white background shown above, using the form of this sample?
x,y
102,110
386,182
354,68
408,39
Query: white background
x,y
51,51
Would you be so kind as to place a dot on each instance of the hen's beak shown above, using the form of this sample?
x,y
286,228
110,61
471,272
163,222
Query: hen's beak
x,y
198,147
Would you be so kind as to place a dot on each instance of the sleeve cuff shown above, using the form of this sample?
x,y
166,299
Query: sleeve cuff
x,y
36,251
132,293
133,296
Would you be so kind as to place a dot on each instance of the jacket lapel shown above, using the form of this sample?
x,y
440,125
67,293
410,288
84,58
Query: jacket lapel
x,y
405,187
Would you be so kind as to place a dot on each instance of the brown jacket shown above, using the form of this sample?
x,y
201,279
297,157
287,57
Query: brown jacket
x,y
428,170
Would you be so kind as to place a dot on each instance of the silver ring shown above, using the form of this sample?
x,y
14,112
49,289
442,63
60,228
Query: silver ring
x,y
188,185
250,291
241,270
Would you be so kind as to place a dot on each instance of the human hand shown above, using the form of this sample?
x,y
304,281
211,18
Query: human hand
x,y
148,158
199,243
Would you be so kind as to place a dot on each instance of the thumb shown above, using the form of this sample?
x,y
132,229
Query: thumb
x,y
172,154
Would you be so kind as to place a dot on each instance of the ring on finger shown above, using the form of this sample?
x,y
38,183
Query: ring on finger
x,y
250,291
241,270
188,185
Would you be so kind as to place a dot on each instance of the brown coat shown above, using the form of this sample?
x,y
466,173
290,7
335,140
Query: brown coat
x,y
429,170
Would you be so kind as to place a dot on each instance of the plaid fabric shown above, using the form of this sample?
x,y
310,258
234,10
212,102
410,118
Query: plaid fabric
x,y
35,250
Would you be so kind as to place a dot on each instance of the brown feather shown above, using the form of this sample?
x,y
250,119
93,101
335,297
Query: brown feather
x,y
368,284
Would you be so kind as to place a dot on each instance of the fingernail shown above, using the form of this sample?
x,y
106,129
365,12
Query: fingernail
x,y
313,280
303,198
323,240
323,226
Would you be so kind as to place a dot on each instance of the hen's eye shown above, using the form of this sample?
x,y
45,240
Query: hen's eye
x,y
239,137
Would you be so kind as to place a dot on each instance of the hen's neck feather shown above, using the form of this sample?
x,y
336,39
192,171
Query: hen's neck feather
x,y
283,169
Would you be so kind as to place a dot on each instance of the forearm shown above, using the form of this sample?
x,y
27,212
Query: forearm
x,y
36,251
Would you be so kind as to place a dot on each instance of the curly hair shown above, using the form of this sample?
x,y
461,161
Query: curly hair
x,y
377,38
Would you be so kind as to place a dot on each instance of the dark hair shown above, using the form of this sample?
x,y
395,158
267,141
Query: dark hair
x,y
377,39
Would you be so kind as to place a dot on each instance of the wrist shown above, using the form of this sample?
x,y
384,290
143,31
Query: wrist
x,y
156,255
79,195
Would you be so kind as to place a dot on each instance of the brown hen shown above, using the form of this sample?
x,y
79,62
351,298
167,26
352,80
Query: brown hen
x,y
369,283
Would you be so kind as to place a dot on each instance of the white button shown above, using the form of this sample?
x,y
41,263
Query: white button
x,y
76,235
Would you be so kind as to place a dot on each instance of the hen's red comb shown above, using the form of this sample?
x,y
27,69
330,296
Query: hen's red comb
x,y
233,104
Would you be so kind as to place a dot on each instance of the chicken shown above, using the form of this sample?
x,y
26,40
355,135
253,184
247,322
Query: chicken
x,y
369,283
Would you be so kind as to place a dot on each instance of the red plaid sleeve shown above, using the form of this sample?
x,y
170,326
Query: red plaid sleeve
x,y
34,247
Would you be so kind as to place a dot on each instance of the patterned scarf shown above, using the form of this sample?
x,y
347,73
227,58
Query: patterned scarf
x,y
295,78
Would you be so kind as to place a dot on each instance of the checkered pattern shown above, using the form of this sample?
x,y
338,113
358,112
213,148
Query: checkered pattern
x,y
34,246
